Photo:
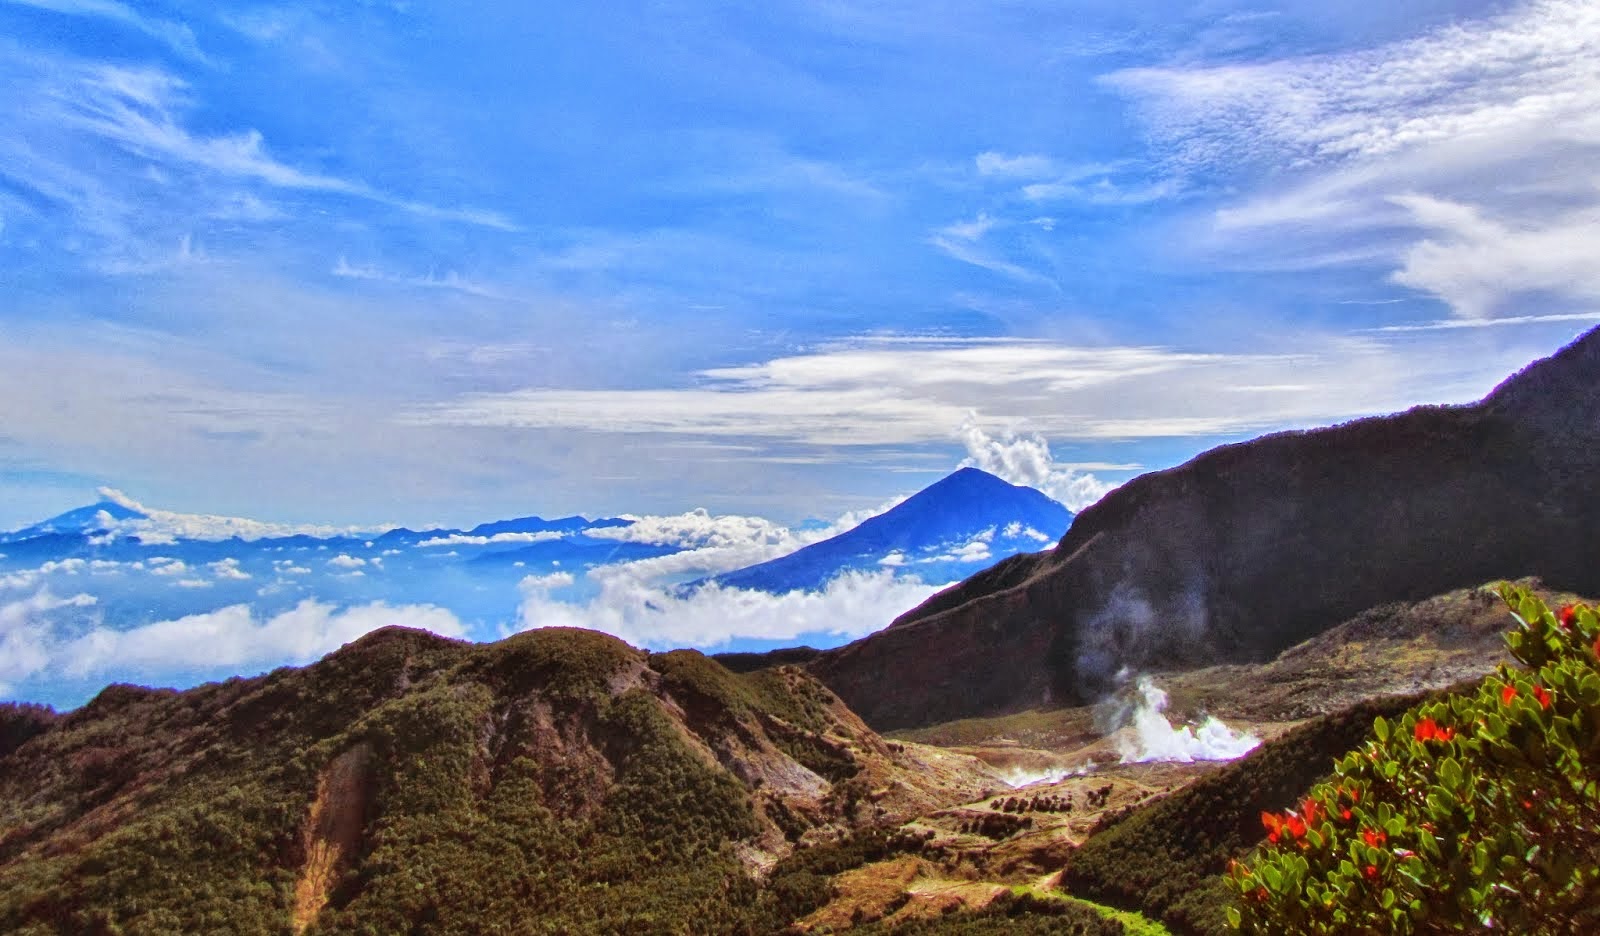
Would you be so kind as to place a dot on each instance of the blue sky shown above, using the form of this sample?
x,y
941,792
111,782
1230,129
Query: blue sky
x,y
367,263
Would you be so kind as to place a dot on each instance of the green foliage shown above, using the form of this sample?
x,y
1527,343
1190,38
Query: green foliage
x,y
1166,859
1012,914
1477,811
519,787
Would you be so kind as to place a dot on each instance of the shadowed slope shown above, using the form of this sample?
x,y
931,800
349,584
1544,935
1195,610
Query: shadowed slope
x,y
1250,548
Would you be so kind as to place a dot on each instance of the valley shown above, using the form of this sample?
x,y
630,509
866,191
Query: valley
x,y
1042,747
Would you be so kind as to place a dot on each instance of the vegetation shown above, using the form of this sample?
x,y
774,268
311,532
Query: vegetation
x,y
1166,859
538,785
1480,811
1011,914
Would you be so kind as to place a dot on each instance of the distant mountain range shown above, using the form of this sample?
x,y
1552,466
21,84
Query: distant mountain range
x,y
1250,548
125,566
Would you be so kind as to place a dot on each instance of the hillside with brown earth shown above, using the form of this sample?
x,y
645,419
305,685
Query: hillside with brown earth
x,y
1251,548
407,778
1051,834
563,782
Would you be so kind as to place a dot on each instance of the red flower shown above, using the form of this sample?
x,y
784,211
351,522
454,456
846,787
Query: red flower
x,y
1543,695
1507,694
1274,824
1310,809
1261,894
1295,826
1428,730
1371,872
1373,837
1569,613
1344,814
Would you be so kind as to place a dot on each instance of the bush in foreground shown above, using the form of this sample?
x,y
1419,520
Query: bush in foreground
x,y
1479,811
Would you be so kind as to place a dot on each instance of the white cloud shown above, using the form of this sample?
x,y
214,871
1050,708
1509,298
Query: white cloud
x,y
175,36
697,529
973,230
976,550
28,578
170,567
1464,155
850,606
139,108
1026,460
1522,70
346,561
1473,263
234,638
165,527
912,392
462,539
1105,191
962,241
26,628
228,569
449,280
991,163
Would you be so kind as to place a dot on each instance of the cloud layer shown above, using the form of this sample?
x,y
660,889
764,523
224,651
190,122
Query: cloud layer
x,y
44,637
632,608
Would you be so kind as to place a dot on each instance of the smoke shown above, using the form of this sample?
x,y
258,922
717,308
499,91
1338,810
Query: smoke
x,y
1016,777
1026,460
1154,738
1134,629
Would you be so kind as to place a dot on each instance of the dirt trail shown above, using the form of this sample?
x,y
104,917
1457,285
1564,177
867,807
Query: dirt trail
x,y
332,830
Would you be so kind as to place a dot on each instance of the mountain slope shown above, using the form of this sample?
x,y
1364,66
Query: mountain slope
x,y
78,521
970,509
558,781
1250,548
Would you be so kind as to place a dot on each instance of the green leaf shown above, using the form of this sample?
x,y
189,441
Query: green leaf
x,y
1380,727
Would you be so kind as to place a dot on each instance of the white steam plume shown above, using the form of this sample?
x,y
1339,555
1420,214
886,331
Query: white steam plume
x,y
1154,737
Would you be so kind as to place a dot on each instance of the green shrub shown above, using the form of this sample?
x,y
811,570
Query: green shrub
x,y
1479,811
1165,859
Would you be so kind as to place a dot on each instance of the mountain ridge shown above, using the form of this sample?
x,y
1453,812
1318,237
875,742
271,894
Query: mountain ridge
x,y
1251,547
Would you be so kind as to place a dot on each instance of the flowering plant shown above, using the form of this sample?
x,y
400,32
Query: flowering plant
x,y
1481,810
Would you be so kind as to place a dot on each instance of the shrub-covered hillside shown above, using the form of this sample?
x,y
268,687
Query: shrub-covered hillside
x,y
1167,859
555,782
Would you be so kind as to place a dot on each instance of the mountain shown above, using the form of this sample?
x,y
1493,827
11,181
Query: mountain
x,y
79,521
558,781
541,525
1250,548
951,528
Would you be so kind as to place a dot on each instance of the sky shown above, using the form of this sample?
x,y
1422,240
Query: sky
x,y
369,263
